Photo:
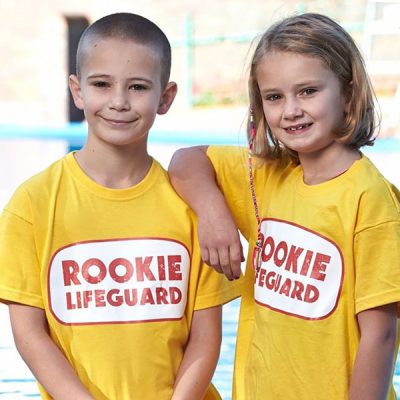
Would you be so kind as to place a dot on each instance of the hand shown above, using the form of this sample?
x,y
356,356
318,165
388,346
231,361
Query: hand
x,y
219,239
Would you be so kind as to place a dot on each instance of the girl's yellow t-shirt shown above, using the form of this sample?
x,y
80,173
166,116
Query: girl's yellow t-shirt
x,y
329,252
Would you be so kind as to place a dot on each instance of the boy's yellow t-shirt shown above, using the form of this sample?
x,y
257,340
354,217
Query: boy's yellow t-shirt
x,y
330,251
117,273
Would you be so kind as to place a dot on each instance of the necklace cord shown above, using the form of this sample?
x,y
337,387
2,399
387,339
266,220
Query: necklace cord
x,y
258,244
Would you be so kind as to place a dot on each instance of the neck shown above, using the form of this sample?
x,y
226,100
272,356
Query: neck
x,y
115,168
324,166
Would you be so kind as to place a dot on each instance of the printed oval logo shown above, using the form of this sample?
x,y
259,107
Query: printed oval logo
x,y
119,281
300,272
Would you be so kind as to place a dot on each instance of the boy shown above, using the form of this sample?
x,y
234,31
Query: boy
x,y
106,292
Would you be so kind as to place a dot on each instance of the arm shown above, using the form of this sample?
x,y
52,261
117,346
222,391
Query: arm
x,y
375,358
193,177
43,357
201,355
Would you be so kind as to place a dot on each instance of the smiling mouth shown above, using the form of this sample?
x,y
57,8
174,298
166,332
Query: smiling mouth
x,y
297,128
117,121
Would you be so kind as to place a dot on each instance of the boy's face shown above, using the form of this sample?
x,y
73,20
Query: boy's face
x,y
120,91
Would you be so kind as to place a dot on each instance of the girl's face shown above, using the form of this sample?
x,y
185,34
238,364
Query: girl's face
x,y
302,101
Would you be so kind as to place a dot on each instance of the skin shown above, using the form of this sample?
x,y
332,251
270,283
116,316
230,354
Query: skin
x,y
304,106
120,91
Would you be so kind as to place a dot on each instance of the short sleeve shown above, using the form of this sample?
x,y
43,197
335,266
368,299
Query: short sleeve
x,y
377,250
19,267
215,289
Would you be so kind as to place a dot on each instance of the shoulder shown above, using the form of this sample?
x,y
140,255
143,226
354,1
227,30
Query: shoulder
x,y
34,188
228,155
379,199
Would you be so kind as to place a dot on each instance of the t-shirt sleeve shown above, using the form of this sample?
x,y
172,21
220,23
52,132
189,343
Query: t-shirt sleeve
x,y
20,273
232,173
377,250
215,289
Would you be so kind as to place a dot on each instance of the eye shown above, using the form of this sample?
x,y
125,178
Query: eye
x,y
137,87
273,97
308,91
101,84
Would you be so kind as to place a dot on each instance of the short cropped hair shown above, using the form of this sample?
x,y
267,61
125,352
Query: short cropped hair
x,y
316,35
127,26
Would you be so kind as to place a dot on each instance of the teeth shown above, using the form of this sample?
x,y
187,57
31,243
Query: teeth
x,y
296,128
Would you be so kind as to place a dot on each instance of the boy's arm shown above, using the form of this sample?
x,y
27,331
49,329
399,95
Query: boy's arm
x,y
373,367
193,177
43,357
201,355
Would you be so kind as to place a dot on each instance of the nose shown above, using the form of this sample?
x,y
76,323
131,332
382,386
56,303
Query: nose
x,y
119,100
292,109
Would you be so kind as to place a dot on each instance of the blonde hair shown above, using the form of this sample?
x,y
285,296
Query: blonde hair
x,y
316,35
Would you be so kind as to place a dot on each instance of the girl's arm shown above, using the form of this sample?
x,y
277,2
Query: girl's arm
x,y
193,177
373,367
42,356
201,355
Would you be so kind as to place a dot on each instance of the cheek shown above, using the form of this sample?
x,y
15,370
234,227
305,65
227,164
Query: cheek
x,y
271,115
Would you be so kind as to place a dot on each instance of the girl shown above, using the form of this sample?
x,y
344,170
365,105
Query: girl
x,y
318,317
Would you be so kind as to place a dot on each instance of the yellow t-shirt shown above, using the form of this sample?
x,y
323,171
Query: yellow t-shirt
x,y
329,252
116,271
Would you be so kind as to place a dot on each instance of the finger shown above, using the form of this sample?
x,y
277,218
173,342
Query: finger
x,y
205,255
214,259
225,263
242,257
235,260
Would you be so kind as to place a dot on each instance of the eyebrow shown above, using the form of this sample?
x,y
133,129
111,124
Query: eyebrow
x,y
296,86
106,76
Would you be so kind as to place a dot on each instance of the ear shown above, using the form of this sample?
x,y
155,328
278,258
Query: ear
x,y
167,98
75,88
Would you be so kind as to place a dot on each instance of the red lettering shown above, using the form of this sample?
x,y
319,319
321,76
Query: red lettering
x,y
70,306
312,294
285,288
99,298
175,295
128,270
174,268
271,282
143,268
161,267
319,267
87,298
280,260
70,272
291,262
86,267
297,291
261,278
147,297
113,298
161,295
271,244
306,263
131,297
